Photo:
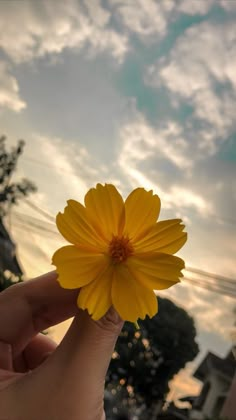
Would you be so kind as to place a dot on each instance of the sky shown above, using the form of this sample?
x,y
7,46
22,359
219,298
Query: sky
x,y
136,93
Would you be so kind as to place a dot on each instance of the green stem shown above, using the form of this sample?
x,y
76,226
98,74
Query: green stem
x,y
136,325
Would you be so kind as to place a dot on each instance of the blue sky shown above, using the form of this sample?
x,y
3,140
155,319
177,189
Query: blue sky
x,y
138,93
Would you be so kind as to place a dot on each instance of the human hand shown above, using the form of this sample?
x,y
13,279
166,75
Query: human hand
x,y
40,380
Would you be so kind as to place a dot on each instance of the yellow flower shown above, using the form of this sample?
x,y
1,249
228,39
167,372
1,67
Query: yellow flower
x,y
119,253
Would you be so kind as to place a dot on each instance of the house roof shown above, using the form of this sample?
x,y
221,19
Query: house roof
x,y
226,366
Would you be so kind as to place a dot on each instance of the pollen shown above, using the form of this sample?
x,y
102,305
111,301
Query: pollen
x,y
120,249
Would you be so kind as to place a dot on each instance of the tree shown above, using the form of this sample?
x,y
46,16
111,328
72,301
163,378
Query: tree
x,y
144,361
8,279
10,193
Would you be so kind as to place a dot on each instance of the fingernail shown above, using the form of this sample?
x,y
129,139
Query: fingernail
x,y
111,321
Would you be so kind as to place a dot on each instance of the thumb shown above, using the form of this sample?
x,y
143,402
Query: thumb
x,y
86,349
74,374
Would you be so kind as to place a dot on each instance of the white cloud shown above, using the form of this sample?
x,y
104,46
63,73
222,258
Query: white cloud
x,y
62,166
197,75
140,140
163,158
146,18
142,17
183,384
9,90
229,5
62,170
42,29
193,7
213,312
69,166
175,197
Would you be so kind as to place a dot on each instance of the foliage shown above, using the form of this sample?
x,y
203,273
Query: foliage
x,y
144,361
11,192
8,279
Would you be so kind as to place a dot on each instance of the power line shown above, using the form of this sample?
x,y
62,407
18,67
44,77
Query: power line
x,y
211,275
34,222
46,165
220,286
39,210
27,217
64,170
216,283
214,288
41,224
222,290
23,224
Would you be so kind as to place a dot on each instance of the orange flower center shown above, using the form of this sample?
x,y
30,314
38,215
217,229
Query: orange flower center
x,y
120,249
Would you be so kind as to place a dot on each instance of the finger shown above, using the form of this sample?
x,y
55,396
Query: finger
x,y
19,364
32,306
79,365
88,346
38,350
5,356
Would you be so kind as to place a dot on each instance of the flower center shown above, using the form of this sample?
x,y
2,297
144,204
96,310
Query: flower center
x,y
120,249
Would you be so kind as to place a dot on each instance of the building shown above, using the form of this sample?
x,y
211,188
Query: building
x,y
230,403
217,375
8,259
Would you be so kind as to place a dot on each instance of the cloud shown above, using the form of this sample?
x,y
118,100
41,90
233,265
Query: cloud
x,y
141,17
68,165
204,78
9,90
160,147
162,159
140,140
193,7
183,384
212,311
229,5
149,18
62,170
41,29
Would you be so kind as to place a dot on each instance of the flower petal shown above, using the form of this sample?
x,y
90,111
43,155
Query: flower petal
x,y
105,208
74,225
96,296
77,267
142,209
156,271
130,298
166,236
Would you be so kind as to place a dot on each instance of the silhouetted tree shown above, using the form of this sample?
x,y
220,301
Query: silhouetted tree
x,y
10,193
8,279
144,361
